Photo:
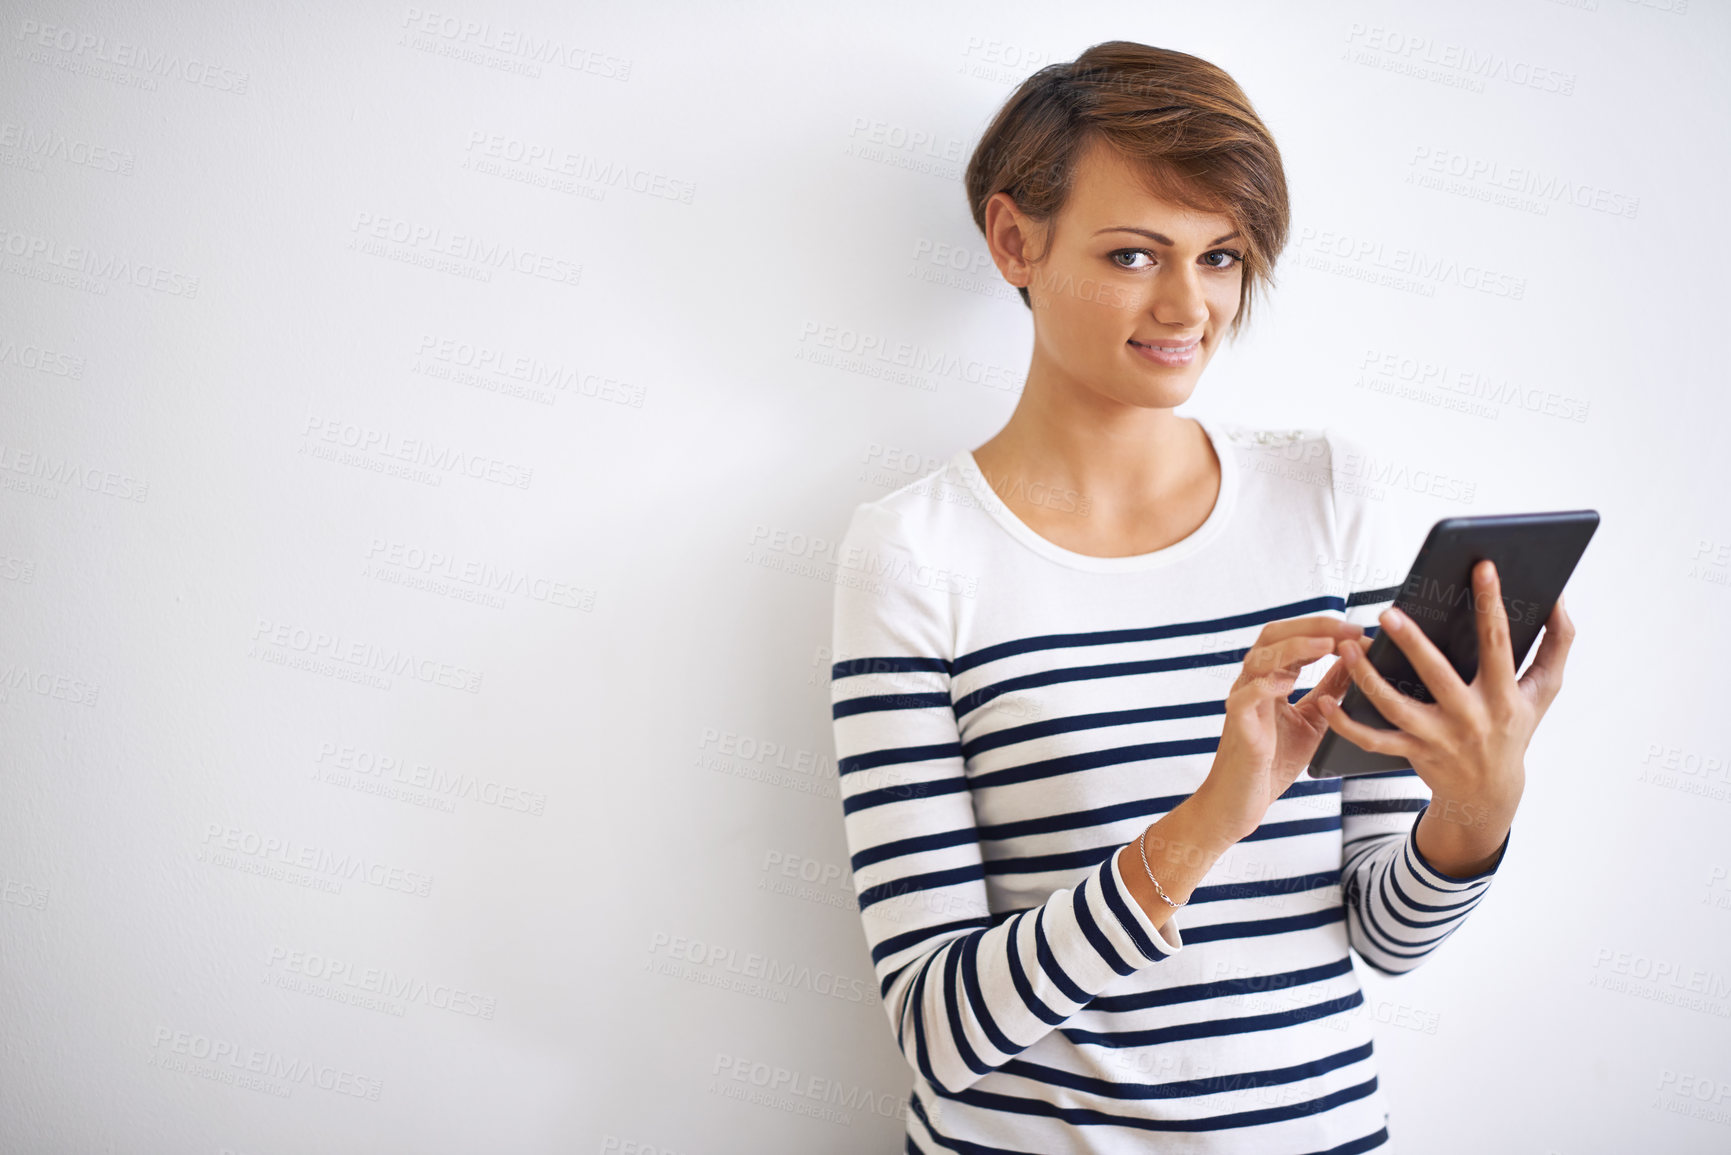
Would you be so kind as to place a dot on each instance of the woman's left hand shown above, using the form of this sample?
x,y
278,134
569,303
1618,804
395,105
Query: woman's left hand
x,y
1470,745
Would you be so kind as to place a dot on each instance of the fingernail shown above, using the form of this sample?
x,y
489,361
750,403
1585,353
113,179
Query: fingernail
x,y
1392,619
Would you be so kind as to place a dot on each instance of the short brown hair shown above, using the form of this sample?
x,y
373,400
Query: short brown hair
x,y
1181,120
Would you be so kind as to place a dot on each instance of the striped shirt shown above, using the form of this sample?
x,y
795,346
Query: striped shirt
x,y
1009,713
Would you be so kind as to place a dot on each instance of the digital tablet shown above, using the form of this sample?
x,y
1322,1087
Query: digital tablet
x,y
1534,554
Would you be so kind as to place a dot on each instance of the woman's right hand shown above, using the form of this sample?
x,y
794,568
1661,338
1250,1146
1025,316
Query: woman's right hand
x,y
1268,740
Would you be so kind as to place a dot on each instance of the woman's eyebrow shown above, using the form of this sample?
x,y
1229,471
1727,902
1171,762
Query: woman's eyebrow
x,y
1154,236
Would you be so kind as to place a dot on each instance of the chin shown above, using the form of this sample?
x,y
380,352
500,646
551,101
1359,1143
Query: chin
x,y
1167,378
1160,395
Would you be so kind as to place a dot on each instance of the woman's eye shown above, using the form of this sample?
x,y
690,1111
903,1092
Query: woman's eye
x,y
1232,258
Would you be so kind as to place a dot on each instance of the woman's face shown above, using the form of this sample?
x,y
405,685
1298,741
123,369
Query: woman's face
x,y
1120,273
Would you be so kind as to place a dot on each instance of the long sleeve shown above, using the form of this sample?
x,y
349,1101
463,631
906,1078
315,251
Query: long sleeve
x,y
1399,907
963,996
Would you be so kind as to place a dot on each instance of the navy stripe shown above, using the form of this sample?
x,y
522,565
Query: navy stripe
x,y
1189,1088
977,998
1354,858
914,883
1049,962
1375,1139
974,699
1293,828
952,998
1011,735
869,798
1222,989
872,703
1081,859
1217,1028
1382,806
919,844
896,943
1389,944
1450,909
968,703
857,666
1257,927
1372,597
1020,977
1472,890
1295,884
1148,808
1082,1116
1245,928
1044,863
1119,903
962,1146
1003,650
916,1004
1290,828
936,665
1306,787
1369,1142
1097,937
1092,759
896,756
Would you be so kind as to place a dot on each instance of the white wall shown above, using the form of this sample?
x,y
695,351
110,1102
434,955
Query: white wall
x,y
259,260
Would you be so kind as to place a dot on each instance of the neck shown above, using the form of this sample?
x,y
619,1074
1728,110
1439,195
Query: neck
x,y
1124,456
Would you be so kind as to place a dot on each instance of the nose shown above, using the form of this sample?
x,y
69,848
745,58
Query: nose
x,y
1178,301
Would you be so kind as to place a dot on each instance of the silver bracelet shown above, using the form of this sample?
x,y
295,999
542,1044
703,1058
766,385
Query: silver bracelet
x,y
1150,870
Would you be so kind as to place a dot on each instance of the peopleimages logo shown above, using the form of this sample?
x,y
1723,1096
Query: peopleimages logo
x,y
359,655
856,559
799,1092
1470,384
1371,256
104,267
345,975
42,472
52,144
15,678
388,447
554,161
509,41
475,574
1418,51
921,361
226,1059
436,241
779,973
376,772
124,54
233,840
1544,187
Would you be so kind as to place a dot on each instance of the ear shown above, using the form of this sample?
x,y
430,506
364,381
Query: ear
x,y
1009,236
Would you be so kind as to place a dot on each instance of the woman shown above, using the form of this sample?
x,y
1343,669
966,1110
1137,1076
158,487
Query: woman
x,y
1105,911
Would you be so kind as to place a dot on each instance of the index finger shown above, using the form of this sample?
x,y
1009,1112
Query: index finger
x,y
1496,651
1316,625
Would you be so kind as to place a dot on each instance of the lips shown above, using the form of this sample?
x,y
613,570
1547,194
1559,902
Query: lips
x,y
1170,354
